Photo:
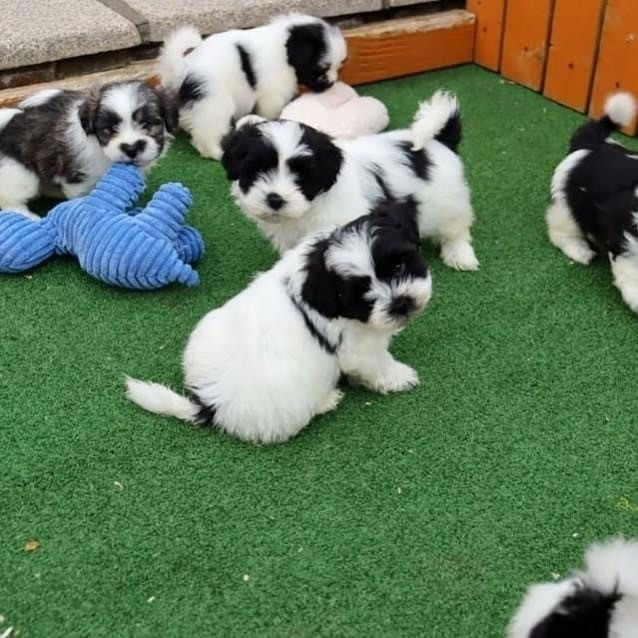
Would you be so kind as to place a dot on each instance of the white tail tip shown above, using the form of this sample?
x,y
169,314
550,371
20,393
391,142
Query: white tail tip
x,y
432,116
159,399
621,108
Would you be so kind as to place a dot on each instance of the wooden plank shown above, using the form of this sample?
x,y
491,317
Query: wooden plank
x,y
490,20
617,67
410,45
377,51
572,51
526,40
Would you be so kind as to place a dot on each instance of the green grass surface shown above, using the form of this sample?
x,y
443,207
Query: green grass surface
x,y
423,514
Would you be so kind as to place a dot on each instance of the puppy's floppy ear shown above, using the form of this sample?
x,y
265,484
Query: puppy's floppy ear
x,y
236,149
88,110
324,164
305,45
320,290
168,107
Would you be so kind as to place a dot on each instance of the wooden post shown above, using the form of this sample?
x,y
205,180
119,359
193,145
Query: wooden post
x,y
490,19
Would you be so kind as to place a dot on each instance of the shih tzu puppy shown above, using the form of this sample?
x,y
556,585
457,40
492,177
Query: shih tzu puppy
x,y
594,207
268,361
237,72
293,180
601,601
59,143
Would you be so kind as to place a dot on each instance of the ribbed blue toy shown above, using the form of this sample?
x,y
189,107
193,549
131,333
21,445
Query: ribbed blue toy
x,y
142,249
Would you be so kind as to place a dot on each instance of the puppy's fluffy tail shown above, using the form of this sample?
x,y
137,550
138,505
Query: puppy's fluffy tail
x,y
171,59
587,599
159,399
620,110
438,118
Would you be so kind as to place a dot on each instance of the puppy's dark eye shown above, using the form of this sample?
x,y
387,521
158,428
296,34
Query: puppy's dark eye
x,y
109,130
153,123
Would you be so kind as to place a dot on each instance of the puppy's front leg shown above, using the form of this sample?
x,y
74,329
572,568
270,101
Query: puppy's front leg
x,y
365,358
270,106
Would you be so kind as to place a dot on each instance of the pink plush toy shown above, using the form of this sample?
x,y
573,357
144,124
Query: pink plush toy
x,y
340,112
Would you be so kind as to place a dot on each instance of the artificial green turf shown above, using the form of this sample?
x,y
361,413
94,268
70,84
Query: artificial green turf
x,y
423,514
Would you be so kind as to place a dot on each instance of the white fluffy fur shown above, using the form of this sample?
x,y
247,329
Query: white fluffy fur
x,y
432,116
267,389
621,108
445,209
610,566
215,61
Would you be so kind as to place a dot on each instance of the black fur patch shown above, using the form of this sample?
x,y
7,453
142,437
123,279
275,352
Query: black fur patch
x,y
601,195
318,172
584,614
330,294
417,160
192,90
206,414
306,47
386,193
247,155
247,66
452,133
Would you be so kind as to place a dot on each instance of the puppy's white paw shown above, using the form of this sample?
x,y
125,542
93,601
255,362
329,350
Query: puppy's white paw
x,y
398,377
459,255
330,401
208,150
577,250
251,118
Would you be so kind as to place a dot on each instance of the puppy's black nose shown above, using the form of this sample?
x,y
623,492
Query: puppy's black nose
x,y
275,201
401,306
132,150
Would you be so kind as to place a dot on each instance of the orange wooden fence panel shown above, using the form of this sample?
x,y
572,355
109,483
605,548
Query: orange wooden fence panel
x,y
572,51
490,19
617,67
525,41
408,45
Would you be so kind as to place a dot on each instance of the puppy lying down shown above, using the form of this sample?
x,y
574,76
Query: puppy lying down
x,y
269,360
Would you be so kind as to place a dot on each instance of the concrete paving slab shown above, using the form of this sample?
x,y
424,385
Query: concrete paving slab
x,y
212,16
406,3
37,31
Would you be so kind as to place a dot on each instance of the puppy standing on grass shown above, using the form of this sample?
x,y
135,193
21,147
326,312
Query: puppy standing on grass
x,y
594,204
60,143
264,364
234,73
293,180
599,602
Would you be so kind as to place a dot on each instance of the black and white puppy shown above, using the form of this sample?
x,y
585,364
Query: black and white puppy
x,y
237,72
601,601
293,180
268,361
59,143
594,205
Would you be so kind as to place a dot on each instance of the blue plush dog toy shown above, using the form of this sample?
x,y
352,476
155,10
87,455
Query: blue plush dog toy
x,y
141,249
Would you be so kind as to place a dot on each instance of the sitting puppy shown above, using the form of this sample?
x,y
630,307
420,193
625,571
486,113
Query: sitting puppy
x,y
264,364
293,180
234,73
599,602
595,199
60,143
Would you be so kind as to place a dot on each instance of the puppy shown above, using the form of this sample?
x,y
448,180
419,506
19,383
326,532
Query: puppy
x,y
293,180
230,74
59,143
599,602
594,207
264,364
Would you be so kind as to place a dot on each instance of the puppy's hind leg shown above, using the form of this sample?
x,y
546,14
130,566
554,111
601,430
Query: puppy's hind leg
x,y
565,233
456,241
331,401
364,357
625,270
208,120
17,186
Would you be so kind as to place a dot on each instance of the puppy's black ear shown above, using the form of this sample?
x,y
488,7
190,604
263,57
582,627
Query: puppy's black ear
x,y
398,218
305,46
168,108
321,288
88,111
236,149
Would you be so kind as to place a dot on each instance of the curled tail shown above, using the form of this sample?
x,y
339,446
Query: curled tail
x,y
159,399
171,59
620,110
438,118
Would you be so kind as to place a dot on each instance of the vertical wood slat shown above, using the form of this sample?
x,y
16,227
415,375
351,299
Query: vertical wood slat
x,y
490,20
573,48
526,41
617,66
